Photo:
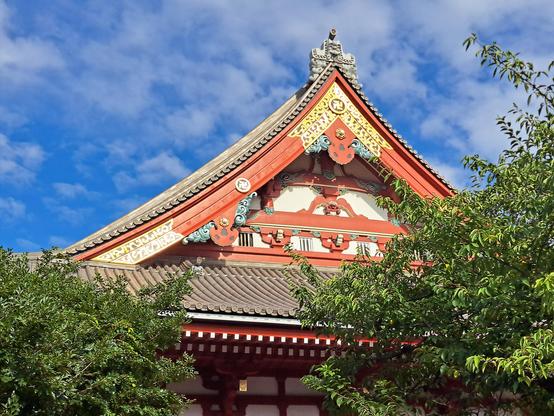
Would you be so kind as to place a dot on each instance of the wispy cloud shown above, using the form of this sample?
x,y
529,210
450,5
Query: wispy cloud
x,y
11,209
73,190
68,214
128,97
23,58
162,168
19,161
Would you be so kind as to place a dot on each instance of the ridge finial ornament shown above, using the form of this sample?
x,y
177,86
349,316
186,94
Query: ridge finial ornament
x,y
331,52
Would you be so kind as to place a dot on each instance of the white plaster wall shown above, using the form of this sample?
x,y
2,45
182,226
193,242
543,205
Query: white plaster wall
x,y
257,240
297,410
353,248
261,410
263,386
294,198
193,410
316,244
365,204
295,387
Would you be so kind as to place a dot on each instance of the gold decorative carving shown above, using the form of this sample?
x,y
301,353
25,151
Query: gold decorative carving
x,y
143,246
336,104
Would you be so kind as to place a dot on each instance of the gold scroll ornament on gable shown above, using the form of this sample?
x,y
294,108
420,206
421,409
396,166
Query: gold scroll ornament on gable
x,y
335,104
143,246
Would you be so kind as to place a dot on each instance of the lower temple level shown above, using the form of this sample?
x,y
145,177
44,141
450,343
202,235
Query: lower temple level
x,y
249,370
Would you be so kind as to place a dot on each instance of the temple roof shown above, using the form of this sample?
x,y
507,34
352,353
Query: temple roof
x,y
329,54
217,287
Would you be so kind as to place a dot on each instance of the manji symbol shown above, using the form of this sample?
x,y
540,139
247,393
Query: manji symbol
x,y
336,105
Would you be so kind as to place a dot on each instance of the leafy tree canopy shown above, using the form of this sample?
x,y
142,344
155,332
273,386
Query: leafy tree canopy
x,y
462,308
70,347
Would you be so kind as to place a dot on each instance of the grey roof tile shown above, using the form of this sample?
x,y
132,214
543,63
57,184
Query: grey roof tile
x,y
221,288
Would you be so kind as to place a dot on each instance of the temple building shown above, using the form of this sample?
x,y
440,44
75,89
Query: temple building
x,y
306,177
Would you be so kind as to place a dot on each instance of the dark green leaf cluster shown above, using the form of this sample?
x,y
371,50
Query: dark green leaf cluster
x,y
70,347
462,308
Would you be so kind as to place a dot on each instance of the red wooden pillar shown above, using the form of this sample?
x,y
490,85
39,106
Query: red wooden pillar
x,y
281,400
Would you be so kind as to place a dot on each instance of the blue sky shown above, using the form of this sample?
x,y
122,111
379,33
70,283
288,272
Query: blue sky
x,y
104,104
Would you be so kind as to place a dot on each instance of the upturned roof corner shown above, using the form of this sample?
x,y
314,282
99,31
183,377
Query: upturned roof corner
x,y
331,53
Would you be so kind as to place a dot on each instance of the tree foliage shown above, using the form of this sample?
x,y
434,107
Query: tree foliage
x,y
70,347
462,308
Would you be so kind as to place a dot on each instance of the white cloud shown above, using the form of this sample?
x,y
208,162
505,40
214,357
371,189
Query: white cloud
x,y
466,121
73,190
19,161
11,209
27,245
65,213
58,241
134,79
161,168
23,58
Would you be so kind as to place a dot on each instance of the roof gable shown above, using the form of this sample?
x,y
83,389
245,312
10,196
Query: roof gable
x,y
207,201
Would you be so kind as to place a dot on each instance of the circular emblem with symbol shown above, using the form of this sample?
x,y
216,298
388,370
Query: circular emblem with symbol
x,y
337,106
242,185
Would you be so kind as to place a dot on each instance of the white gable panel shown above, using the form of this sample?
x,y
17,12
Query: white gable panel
x,y
294,198
366,205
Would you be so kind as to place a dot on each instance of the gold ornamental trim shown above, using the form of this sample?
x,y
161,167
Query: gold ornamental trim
x,y
333,105
143,246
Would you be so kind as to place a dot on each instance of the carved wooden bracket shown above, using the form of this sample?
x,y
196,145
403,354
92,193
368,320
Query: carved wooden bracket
x,y
276,237
335,241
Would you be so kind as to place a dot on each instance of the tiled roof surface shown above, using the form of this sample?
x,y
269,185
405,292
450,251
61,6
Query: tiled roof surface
x,y
217,288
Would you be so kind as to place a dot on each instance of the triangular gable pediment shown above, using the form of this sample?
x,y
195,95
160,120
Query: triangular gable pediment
x,y
327,116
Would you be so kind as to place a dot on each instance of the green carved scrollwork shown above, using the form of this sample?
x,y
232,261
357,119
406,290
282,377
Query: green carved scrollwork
x,y
201,235
243,209
322,143
361,150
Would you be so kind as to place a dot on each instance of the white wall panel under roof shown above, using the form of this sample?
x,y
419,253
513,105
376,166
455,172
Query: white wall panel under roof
x,y
261,410
294,198
366,205
297,410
